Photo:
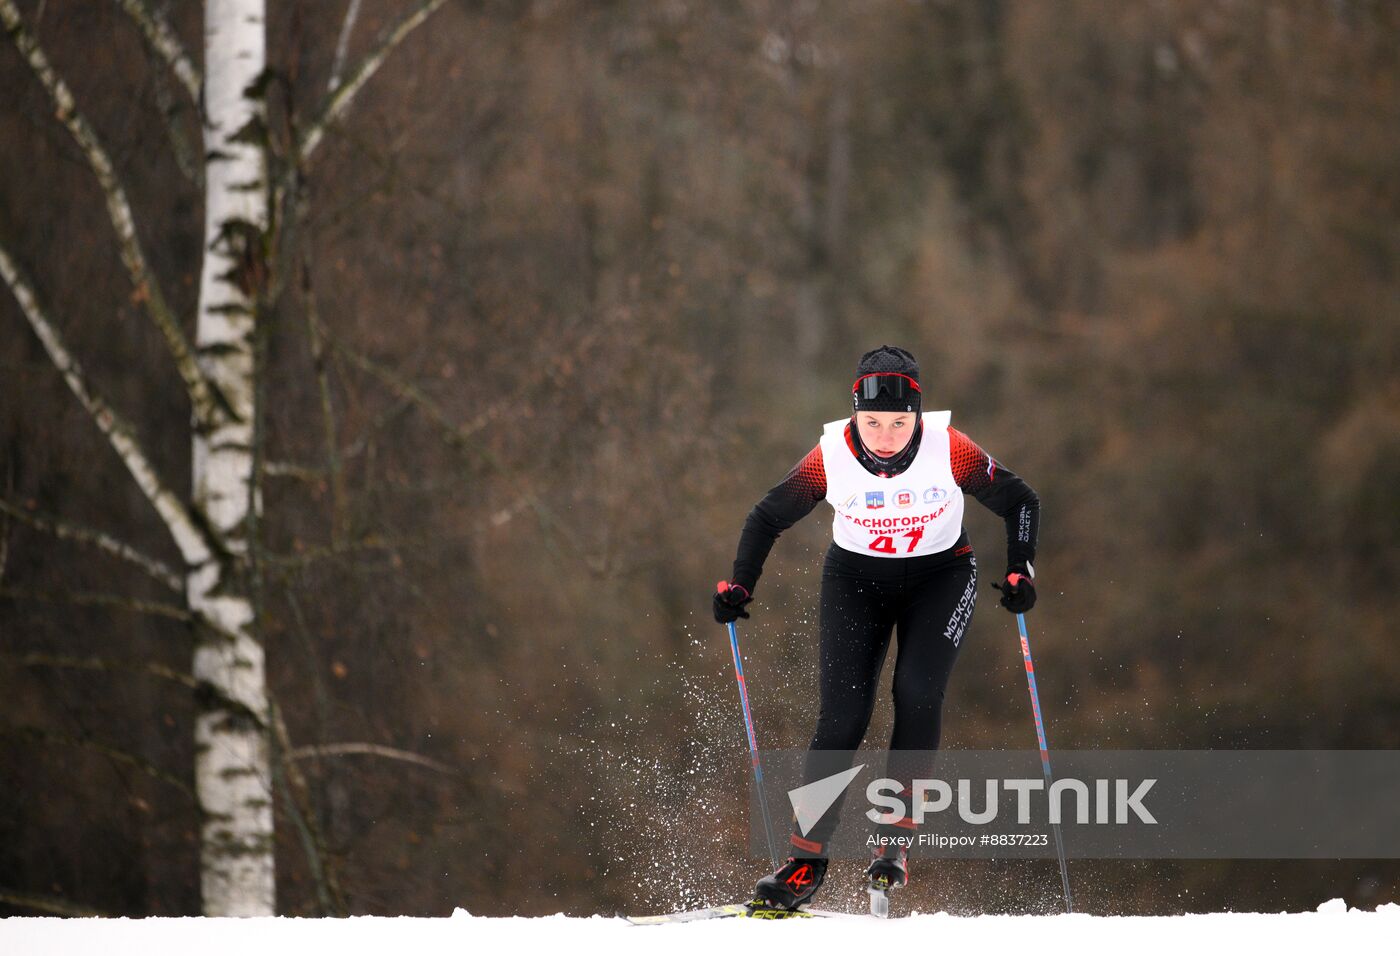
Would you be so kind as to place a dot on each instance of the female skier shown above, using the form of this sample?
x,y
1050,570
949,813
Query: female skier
x,y
899,557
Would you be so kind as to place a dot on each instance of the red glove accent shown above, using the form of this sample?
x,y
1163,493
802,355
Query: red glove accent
x,y
729,601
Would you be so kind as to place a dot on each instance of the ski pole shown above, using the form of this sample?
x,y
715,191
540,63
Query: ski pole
x,y
1044,752
753,743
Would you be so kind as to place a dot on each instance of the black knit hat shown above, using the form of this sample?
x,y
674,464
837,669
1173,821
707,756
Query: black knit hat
x,y
887,359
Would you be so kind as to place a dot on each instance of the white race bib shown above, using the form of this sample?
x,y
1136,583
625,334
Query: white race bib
x,y
918,511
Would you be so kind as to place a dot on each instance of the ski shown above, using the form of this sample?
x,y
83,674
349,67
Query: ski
x,y
879,903
732,911
885,875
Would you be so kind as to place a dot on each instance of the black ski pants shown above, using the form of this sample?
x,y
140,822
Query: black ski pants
x,y
927,602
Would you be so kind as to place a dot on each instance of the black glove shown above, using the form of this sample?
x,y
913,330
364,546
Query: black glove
x,y
1017,590
730,600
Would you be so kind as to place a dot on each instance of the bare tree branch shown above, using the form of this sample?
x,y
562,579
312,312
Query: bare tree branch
x,y
314,474
172,108
342,45
454,433
205,397
164,41
382,420
41,736
194,538
318,361
458,435
374,750
98,599
120,602
304,816
47,904
338,101
290,469
93,663
377,542
347,549
68,531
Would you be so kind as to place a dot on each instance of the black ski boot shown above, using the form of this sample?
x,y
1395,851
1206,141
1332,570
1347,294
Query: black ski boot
x,y
888,870
793,884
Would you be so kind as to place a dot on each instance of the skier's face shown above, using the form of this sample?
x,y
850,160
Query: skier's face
x,y
885,433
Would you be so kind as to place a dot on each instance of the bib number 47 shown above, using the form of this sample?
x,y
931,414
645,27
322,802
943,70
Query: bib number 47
x,y
885,542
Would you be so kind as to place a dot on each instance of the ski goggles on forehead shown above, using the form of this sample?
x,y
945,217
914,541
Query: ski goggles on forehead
x,y
894,384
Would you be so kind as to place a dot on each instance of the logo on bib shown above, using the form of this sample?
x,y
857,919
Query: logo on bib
x,y
874,499
905,498
934,494
850,502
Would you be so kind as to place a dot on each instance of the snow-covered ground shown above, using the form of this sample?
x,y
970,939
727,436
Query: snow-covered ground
x,y
1332,929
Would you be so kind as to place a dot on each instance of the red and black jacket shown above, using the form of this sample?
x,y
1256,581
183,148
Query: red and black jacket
x,y
977,474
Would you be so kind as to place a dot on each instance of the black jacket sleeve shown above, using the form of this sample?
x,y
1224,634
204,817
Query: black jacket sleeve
x,y
1004,492
787,502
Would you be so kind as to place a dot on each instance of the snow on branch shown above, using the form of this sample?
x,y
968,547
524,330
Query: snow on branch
x,y
338,100
209,406
164,41
193,537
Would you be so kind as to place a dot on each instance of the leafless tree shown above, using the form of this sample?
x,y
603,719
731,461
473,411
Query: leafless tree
x,y
247,207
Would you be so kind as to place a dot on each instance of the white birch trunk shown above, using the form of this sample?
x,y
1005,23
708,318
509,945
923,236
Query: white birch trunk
x,y
232,753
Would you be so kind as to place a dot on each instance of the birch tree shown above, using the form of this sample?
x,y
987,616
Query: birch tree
x,y
232,770
246,210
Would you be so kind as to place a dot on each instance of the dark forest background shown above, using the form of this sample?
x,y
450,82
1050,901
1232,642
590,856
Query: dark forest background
x,y
594,274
